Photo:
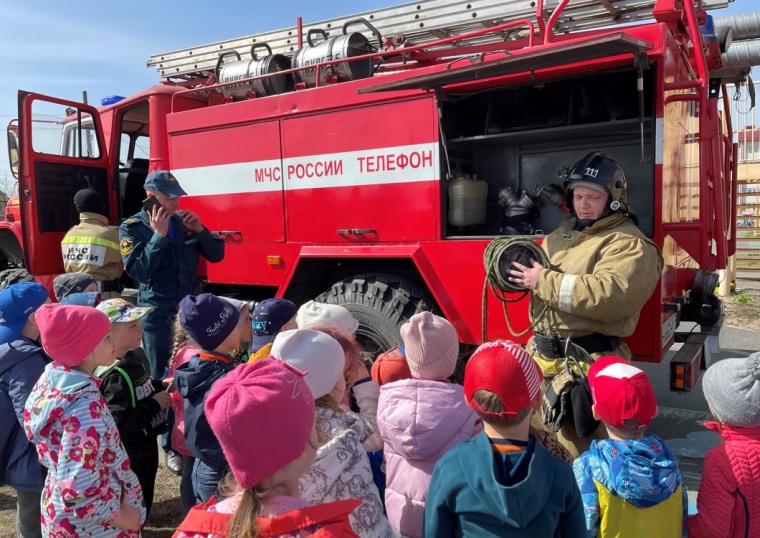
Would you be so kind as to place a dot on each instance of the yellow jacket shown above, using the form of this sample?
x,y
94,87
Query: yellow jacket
x,y
262,353
599,280
620,518
92,247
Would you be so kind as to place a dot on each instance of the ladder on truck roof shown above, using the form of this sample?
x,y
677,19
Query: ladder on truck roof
x,y
420,22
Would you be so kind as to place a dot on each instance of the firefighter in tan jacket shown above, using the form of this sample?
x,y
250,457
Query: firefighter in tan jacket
x,y
602,270
92,246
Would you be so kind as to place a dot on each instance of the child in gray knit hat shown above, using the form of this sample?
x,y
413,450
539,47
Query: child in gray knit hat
x,y
729,493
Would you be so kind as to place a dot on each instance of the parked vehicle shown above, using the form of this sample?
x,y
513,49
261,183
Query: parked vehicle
x,y
372,165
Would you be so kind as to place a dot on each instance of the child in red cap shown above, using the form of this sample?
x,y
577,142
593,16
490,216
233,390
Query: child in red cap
x,y
630,483
503,482
90,489
270,400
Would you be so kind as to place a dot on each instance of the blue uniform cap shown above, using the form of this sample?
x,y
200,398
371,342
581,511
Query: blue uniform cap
x,y
164,182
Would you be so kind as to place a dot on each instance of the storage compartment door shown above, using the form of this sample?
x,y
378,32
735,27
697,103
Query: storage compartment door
x,y
363,175
233,177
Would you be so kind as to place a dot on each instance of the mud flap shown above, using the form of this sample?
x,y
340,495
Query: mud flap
x,y
695,356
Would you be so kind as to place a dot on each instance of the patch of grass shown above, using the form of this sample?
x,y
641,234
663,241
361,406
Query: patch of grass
x,y
742,298
164,518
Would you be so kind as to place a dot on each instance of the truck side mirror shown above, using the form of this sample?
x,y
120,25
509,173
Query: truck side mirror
x,y
13,145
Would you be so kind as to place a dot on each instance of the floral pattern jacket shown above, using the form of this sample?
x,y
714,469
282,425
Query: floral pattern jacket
x,y
342,471
88,469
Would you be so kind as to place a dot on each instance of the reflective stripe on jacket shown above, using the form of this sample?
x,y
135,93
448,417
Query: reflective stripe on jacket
x,y
92,247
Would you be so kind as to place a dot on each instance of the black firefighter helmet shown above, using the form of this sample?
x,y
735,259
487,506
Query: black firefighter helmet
x,y
598,169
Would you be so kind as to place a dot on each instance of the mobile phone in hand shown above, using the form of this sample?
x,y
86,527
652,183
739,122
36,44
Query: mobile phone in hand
x,y
149,203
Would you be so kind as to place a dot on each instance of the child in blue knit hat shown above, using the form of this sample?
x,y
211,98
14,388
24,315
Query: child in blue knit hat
x,y
212,323
22,362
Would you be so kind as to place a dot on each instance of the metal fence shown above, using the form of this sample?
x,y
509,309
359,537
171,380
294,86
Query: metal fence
x,y
746,126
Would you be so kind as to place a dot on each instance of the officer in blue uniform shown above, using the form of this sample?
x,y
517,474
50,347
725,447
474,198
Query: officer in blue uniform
x,y
161,250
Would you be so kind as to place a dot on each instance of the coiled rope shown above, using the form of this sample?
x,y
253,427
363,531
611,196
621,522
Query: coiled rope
x,y
494,282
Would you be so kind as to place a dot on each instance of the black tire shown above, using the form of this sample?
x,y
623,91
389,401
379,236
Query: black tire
x,y
381,303
14,276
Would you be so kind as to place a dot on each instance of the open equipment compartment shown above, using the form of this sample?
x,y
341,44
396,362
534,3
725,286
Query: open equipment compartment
x,y
527,137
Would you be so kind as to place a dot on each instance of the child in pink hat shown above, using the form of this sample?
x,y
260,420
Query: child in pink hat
x,y
266,399
422,418
90,489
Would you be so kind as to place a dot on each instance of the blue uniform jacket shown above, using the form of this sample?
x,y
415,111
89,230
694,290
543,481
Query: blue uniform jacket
x,y
21,365
166,270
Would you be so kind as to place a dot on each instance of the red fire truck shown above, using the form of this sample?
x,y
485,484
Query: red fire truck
x,y
370,160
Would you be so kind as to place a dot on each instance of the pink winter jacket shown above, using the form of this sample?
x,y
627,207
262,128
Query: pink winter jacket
x,y
184,354
419,421
729,494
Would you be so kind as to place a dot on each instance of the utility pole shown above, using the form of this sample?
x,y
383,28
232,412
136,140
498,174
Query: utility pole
x,y
89,137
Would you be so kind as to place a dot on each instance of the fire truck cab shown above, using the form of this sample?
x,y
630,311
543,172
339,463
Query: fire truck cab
x,y
372,168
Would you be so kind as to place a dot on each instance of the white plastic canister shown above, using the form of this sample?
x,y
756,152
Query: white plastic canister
x,y
467,201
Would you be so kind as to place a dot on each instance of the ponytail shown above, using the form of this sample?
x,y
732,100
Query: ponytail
x,y
244,522
180,338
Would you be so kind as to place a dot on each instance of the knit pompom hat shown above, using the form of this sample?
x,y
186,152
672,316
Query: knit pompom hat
x,y
314,352
262,413
431,346
313,313
70,333
732,389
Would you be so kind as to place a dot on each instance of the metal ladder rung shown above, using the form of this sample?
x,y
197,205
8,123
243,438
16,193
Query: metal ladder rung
x,y
438,17
388,22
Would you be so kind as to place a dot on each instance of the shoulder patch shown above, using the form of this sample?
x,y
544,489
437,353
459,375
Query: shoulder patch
x,y
126,245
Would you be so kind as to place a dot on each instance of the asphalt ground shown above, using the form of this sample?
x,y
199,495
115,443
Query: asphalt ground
x,y
681,415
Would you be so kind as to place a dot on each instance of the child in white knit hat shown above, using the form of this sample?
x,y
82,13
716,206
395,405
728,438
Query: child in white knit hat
x,y
729,493
342,469
362,391
422,418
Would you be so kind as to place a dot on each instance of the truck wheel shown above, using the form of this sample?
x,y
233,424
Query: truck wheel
x,y
14,276
381,303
